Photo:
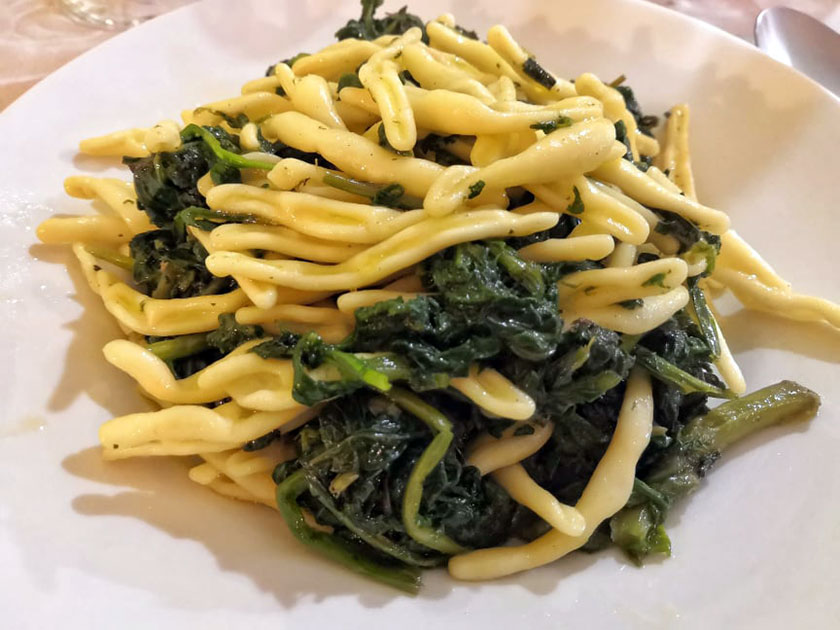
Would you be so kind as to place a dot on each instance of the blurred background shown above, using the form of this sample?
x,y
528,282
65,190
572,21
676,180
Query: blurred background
x,y
38,36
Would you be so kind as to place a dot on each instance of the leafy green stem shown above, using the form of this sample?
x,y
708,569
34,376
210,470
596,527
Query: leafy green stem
x,y
669,373
705,318
392,195
637,528
179,347
205,219
111,256
374,539
442,429
230,158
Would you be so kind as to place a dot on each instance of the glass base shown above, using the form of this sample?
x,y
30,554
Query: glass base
x,y
115,14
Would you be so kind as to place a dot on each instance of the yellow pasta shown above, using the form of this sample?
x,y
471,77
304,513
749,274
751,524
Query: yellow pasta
x,y
432,73
495,394
151,316
117,194
601,210
615,109
128,142
332,324
675,156
524,490
500,39
94,228
240,475
605,494
189,430
737,255
754,294
654,311
352,153
282,240
594,247
647,191
336,59
349,302
254,105
402,250
450,112
600,287
575,149
155,377
311,95
261,294
326,219
489,454
380,74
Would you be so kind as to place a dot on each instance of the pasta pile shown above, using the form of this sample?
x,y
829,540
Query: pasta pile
x,y
304,244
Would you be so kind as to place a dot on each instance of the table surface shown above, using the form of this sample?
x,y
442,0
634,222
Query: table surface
x,y
36,37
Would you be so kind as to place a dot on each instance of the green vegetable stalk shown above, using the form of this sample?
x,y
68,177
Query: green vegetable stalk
x,y
638,527
391,196
705,318
669,373
375,539
111,256
179,347
404,578
192,131
438,423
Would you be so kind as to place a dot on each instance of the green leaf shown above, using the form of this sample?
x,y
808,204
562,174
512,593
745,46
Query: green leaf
x,y
576,207
538,73
475,189
191,132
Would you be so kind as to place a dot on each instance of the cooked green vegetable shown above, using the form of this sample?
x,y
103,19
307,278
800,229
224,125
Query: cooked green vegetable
x,y
690,237
391,195
670,373
434,147
370,27
656,280
476,188
111,256
282,150
353,557
538,73
237,122
576,207
222,154
553,125
187,354
179,347
350,79
166,182
167,265
705,318
638,527
423,532
643,122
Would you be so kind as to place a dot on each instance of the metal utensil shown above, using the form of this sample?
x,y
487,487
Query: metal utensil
x,y
800,41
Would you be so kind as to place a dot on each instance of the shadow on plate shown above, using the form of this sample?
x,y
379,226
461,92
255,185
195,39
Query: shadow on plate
x,y
90,164
85,369
245,539
748,330
250,540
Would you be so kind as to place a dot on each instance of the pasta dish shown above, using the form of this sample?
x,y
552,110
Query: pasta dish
x,y
431,302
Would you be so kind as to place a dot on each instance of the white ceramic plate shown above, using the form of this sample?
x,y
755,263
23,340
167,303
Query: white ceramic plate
x,y
136,544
